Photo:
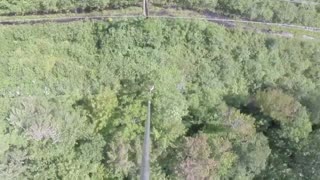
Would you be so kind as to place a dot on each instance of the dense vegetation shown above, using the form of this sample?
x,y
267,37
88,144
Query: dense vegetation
x,y
51,6
261,10
227,103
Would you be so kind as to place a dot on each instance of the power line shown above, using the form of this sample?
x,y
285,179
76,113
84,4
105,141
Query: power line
x,y
145,164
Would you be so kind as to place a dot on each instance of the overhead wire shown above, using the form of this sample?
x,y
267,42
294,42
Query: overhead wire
x,y
145,164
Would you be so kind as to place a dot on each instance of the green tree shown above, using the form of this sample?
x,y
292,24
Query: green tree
x,y
194,160
59,142
287,112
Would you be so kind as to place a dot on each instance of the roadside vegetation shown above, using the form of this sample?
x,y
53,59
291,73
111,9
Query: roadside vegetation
x,y
306,13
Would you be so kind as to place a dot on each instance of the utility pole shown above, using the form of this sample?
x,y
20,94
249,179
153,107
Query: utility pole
x,y
145,164
145,8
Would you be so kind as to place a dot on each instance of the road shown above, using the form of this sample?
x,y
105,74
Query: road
x,y
165,14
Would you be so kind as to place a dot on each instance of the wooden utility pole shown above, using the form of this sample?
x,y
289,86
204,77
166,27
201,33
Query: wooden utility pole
x,y
145,8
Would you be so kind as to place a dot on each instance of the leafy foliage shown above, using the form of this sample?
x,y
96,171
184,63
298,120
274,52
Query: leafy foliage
x,y
49,6
194,159
73,100
51,143
285,110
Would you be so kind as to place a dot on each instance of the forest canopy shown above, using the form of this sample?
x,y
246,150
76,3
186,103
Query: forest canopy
x,y
234,104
